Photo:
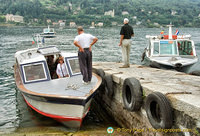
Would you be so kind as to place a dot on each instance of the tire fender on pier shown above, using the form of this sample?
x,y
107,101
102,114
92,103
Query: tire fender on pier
x,y
101,73
132,94
109,85
159,110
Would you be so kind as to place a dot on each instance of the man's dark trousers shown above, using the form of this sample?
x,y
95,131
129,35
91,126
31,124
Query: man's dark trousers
x,y
85,62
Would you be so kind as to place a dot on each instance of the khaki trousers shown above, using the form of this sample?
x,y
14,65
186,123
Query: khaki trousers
x,y
126,45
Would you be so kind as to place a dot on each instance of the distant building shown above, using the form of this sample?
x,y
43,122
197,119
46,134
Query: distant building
x,y
138,23
75,12
173,12
100,24
70,6
61,23
134,17
72,24
114,23
125,13
110,13
55,23
156,24
79,8
35,20
48,20
92,24
14,18
156,13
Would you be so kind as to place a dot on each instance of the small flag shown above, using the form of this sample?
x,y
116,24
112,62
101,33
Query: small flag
x,y
162,32
33,42
177,32
110,130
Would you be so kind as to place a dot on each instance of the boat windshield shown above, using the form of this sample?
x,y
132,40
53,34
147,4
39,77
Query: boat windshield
x,y
165,48
168,48
46,30
34,72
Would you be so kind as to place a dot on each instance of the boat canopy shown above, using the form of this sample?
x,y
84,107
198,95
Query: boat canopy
x,y
172,47
50,50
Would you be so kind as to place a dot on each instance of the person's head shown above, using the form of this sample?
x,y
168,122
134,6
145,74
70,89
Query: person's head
x,y
60,60
80,29
126,20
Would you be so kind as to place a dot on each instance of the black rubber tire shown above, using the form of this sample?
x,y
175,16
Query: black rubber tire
x,y
159,111
196,73
101,73
109,86
154,64
132,94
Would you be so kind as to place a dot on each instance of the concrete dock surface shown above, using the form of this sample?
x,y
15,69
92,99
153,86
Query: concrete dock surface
x,y
183,91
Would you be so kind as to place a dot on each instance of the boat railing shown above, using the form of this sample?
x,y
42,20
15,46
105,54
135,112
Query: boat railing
x,y
161,37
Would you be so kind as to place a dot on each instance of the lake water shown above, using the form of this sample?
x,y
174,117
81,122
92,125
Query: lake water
x,y
15,114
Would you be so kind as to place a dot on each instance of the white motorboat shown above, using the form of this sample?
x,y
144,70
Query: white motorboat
x,y
66,100
176,51
48,33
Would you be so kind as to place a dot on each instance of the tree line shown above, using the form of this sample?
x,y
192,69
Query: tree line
x,y
147,12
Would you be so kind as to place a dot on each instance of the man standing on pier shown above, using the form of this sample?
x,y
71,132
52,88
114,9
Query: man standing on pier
x,y
125,42
84,42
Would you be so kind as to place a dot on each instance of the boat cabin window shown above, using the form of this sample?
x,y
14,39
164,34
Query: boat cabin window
x,y
34,72
156,48
46,30
51,30
73,66
185,48
168,48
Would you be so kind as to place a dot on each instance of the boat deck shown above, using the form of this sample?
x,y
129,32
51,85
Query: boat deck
x,y
63,87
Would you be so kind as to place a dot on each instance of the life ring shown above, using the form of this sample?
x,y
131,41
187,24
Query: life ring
x,y
159,111
109,86
132,94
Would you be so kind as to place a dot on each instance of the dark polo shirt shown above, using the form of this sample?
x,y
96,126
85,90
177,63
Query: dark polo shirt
x,y
127,31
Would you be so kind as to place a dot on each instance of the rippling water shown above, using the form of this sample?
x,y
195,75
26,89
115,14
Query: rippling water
x,y
13,110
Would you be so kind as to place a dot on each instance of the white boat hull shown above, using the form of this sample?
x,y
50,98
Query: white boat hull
x,y
173,61
70,115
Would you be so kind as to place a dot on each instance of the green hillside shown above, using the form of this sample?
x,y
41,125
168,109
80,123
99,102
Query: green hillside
x,y
148,13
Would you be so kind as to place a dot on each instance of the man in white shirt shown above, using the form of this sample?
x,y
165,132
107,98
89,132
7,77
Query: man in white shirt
x,y
84,42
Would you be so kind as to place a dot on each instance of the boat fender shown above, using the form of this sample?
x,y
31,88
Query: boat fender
x,y
178,66
143,56
159,111
196,73
101,73
132,94
109,86
154,64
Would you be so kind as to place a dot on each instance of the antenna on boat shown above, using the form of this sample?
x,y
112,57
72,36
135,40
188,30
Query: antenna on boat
x,y
170,30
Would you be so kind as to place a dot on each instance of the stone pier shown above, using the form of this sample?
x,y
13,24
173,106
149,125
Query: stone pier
x,y
182,90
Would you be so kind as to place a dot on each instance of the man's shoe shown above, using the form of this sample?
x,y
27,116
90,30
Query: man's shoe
x,y
85,83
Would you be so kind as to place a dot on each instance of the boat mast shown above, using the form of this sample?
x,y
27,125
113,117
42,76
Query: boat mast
x,y
170,31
